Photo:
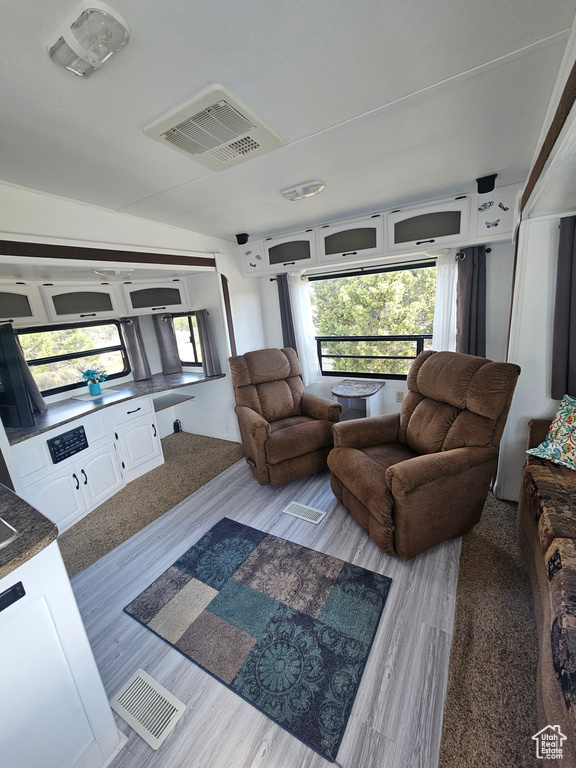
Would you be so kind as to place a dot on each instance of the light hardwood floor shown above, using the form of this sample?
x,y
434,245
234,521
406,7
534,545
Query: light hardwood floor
x,y
396,721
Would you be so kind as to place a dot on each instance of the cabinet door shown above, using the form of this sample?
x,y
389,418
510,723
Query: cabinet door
x,y
352,241
100,475
252,259
20,304
140,448
87,302
428,227
59,497
291,253
169,295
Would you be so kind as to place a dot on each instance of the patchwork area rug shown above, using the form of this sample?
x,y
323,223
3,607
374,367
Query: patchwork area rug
x,y
286,628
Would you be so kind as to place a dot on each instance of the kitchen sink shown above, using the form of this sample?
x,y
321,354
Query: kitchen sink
x,y
7,534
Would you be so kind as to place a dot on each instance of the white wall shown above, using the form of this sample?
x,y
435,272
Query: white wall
x,y
530,346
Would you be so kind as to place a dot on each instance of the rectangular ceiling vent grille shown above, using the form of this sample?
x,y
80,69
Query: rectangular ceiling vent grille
x,y
303,512
215,129
148,708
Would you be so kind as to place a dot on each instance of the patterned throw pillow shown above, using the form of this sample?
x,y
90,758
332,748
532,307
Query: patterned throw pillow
x,y
560,443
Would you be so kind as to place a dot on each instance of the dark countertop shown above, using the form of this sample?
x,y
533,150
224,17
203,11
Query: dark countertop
x,y
35,530
63,411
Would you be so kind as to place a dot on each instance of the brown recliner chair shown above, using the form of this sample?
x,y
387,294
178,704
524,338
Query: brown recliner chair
x,y
286,432
416,478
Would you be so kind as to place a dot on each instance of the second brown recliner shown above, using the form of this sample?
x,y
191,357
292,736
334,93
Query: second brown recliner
x,y
286,432
419,477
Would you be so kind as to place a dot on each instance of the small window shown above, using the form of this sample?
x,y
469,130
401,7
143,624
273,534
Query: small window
x,y
188,339
58,354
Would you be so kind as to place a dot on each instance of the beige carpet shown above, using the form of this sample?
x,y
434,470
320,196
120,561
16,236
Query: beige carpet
x,y
490,713
191,461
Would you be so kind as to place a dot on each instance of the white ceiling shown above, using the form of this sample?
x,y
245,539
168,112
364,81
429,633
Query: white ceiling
x,y
387,103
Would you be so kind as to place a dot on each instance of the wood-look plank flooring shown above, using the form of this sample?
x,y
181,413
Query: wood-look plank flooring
x,y
396,721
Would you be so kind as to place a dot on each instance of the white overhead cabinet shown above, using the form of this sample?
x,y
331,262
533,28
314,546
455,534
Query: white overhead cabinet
x,y
21,304
252,259
432,226
290,253
495,212
151,298
67,303
352,241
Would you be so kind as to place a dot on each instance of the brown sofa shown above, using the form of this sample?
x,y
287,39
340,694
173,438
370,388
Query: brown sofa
x,y
547,532
286,432
416,478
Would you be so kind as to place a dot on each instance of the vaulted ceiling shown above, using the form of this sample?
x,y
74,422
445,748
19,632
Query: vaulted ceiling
x,y
386,103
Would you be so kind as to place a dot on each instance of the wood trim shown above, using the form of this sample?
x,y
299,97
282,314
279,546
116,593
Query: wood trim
x,y
229,319
81,253
562,111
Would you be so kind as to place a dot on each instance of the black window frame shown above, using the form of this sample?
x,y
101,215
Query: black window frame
x,y
74,355
418,339
197,363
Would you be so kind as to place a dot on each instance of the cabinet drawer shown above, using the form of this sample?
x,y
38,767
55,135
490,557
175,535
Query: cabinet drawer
x,y
131,410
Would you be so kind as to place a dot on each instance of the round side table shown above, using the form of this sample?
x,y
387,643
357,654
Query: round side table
x,y
352,395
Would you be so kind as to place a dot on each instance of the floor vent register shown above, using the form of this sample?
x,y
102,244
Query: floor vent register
x,y
148,708
304,512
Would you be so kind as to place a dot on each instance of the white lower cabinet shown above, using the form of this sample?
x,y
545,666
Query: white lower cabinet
x,y
53,707
139,446
67,494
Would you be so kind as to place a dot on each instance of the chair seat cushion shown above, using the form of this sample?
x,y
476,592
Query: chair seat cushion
x,y
296,436
551,493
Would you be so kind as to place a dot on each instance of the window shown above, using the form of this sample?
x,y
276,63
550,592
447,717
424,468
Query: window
x,y
58,354
188,339
373,323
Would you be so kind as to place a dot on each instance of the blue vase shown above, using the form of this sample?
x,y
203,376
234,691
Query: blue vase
x,y
94,389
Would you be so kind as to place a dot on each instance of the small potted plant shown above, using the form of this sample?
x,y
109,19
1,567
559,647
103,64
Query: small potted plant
x,y
93,377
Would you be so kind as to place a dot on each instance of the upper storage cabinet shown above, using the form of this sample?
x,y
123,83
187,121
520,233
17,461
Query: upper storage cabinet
x,y
352,241
82,302
430,226
252,259
20,304
290,253
149,298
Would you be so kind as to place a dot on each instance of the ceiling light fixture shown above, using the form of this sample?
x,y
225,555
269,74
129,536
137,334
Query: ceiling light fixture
x,y
90,41
113,272
307,189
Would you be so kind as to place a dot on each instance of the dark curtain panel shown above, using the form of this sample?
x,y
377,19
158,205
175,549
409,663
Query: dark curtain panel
x,y
564,343
166,337
288,335
36,400
471,302
210,359
135,348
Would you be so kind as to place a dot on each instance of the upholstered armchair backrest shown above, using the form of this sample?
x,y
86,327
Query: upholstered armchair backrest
x,y
268,381
455,401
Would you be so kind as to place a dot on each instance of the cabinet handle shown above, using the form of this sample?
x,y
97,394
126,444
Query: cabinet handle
x,y
155,308
89,314
116,435
350,253
135,410
154,428
85,477
419,242
75,476
289,264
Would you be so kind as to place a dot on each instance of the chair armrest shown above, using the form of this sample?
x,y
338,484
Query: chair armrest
x,y
253,425
537,431
422,470
360,433
320,407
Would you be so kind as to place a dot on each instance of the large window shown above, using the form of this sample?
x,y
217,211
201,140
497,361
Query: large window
x,y
58,354
187,338
373,323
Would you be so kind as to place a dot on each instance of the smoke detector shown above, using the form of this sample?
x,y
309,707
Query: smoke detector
x,y
215,129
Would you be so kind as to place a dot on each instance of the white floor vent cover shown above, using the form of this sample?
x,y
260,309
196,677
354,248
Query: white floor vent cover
x,y
148,708
309,514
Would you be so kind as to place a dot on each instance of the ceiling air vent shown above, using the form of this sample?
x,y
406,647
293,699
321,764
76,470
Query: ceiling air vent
x,y
214,129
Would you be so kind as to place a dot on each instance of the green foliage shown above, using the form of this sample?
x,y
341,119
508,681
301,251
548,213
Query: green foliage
x,y
386,304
